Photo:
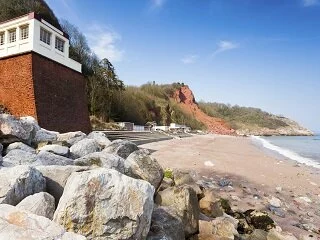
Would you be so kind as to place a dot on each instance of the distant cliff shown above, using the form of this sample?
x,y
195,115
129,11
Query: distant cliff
x,y
167,103
254,121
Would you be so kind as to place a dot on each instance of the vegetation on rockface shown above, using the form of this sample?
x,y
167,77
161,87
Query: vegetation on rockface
x,y
151,103
242,117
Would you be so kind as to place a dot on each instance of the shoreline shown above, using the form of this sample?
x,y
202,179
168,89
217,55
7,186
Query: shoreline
x,y
256,176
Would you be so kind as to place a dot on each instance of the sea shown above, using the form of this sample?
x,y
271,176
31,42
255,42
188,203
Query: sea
x,y
302,149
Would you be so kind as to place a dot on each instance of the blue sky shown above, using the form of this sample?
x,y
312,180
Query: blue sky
x,y
259,53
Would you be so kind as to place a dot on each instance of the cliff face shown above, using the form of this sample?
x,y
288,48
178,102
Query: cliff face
x,y
186,101
286,127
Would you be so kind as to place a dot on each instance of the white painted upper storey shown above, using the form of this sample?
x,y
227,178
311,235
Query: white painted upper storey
x,y
30,33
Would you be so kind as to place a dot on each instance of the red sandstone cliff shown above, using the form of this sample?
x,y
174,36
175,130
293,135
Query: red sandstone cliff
x,y
185,98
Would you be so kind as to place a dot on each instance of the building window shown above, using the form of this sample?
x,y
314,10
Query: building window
x,y
12,35
1,38
59,44
45,36
24,32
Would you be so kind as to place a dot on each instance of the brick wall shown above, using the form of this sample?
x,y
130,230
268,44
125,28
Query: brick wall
x,y
16,85
60,95
54,94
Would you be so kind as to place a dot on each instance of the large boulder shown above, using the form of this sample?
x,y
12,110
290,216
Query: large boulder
x,y
44,135
102,159
48,158
1,149
213,206
100,137
183,178
18,224
13,129
165,225
122,148
71,138
103,202
219,228
141,165
84,147
56,149
42,204
56,178
20,146
18,182
184,200
19,157
275,235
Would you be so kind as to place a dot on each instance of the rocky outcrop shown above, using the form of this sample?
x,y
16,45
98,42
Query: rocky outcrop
x,y
104,202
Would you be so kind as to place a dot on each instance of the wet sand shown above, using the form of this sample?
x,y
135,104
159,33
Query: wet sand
x,y
254,173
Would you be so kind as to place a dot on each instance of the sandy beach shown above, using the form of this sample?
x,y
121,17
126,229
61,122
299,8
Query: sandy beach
x,y
256,177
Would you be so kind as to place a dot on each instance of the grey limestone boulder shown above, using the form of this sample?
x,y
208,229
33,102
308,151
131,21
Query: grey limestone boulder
x,y
56,178
56,149
19,157
19,224
1,149
18,182
185,202
100,137
13,129
219,228
103,202
42,204
20,146
48,158
44,135
102,159
182,178
141,165
84,147
71,137
165,225
122,148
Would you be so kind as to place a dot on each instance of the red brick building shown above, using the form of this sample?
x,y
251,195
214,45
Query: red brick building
x,y
37,77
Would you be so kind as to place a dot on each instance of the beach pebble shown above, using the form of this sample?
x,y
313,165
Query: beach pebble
x,y
277,211
278,189
208,164
224,182
275,202
235,198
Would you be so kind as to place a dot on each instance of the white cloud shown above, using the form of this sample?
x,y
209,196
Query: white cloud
x,y
157,3
309,3
225,46
103,41
189,59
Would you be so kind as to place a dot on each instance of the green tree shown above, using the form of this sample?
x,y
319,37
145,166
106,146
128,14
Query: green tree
x,y
14,8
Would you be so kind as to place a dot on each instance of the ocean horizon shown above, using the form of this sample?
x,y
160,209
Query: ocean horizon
x,y
302,149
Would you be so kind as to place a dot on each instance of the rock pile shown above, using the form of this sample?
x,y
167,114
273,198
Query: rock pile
x,y
78,186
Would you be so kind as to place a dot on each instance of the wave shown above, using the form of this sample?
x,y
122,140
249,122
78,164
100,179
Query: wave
x,y
287,153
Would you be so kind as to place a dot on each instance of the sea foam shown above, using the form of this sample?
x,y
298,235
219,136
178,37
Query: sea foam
x,y
287,153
